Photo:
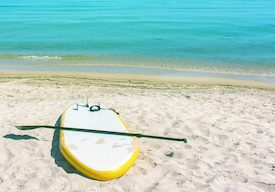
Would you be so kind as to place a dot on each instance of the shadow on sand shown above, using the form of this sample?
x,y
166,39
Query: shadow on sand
x,y
19,137
56,154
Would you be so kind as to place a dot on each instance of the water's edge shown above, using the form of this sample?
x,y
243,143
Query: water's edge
x,y
147,66
195,75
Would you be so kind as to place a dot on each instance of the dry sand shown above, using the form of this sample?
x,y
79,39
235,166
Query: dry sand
x,y
230,129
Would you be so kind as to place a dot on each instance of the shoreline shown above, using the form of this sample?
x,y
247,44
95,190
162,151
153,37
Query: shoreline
x,y
142,79
263,71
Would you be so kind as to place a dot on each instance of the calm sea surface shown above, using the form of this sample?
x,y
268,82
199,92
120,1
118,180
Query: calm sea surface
x,y
227,36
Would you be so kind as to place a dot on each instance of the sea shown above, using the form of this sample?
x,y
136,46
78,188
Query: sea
x,y
214,38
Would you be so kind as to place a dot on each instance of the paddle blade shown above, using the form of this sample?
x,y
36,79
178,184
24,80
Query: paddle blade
x,y
26,127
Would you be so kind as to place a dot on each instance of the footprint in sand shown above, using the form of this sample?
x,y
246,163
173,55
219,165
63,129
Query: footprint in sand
x,y
176,182
192,164
142,171
188,146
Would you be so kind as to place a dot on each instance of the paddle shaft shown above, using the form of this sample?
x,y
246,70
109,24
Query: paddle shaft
x,y
29,127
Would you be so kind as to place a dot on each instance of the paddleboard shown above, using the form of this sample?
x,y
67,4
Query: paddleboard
x,y
98,156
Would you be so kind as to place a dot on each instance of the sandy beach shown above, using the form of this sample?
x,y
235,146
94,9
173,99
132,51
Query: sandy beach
x,y
230,132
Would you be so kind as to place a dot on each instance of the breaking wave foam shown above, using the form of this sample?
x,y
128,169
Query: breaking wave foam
x,y
35,57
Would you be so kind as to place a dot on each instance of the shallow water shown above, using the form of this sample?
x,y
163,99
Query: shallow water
x,y
226,36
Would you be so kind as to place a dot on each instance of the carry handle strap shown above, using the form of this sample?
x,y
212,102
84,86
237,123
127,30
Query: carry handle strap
x,y
94,108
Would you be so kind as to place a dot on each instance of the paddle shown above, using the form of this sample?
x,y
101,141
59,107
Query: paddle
x,y
30,127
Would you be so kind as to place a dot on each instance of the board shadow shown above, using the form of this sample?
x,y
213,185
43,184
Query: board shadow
x,y
60,161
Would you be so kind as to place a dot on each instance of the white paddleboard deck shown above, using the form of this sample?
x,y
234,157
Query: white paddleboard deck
x,y
98,156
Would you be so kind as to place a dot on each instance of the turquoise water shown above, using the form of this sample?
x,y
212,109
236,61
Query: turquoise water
x,y
218,35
